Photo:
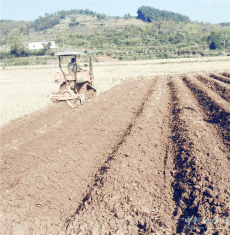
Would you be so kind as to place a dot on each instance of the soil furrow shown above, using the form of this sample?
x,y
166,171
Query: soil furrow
x,y
134,197
216,108
98,181
217,86
146,157
53,170
220,77
226,74
201,167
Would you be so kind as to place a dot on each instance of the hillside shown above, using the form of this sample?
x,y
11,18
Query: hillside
x,y
148,14
82,24
160,34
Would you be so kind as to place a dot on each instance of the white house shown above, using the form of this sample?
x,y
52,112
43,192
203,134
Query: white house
x,y
39,45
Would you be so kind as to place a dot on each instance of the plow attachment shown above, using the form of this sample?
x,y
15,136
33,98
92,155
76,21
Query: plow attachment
x,y
69,96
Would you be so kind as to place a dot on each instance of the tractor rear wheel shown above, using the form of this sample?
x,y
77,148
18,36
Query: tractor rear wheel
x,y
62,87
87,90
90,94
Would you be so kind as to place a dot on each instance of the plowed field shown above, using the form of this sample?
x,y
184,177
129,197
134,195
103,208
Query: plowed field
x,y
149,156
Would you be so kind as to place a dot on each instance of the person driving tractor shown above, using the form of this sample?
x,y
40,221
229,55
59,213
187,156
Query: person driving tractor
x,y
76,84
72,66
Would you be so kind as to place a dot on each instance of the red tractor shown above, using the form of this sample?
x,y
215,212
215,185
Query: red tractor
x,y
76,83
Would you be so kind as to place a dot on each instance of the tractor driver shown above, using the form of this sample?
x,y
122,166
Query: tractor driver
x,y
72,67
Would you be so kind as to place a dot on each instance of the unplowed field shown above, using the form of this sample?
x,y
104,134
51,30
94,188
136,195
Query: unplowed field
x,y
149,156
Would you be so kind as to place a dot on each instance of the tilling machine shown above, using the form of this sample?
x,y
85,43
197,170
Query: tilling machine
x,y
76,83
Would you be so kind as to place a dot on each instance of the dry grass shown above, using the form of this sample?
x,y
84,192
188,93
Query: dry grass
x,y
24,89
110,74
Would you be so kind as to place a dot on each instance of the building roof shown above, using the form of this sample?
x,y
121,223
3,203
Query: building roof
x,y
69,53
41,42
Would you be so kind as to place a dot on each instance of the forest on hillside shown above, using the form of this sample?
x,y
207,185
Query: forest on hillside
x,y
145,13
158,39
161,38
155,34
225,24
148,14
45,22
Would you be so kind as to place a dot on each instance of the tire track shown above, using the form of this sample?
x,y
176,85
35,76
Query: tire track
x,y
216,108
217,86
201,185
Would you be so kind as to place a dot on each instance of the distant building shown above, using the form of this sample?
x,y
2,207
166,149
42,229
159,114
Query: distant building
x,y
39,45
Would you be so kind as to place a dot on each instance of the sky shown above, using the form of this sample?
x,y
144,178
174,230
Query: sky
x,y
208,11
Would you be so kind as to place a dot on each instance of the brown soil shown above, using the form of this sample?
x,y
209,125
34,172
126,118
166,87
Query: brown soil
x,y
143,158
217,86
225,74
220,77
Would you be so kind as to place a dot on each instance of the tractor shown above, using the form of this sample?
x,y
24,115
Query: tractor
x,y
76,83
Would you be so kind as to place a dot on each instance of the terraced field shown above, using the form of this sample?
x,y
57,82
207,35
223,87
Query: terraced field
x,y
149,156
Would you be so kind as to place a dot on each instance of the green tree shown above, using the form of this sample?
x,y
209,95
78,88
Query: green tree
x,y
101,16
219,39
149,14
4,55
73,19
5,29
62,14
46,48
16,43
127,16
